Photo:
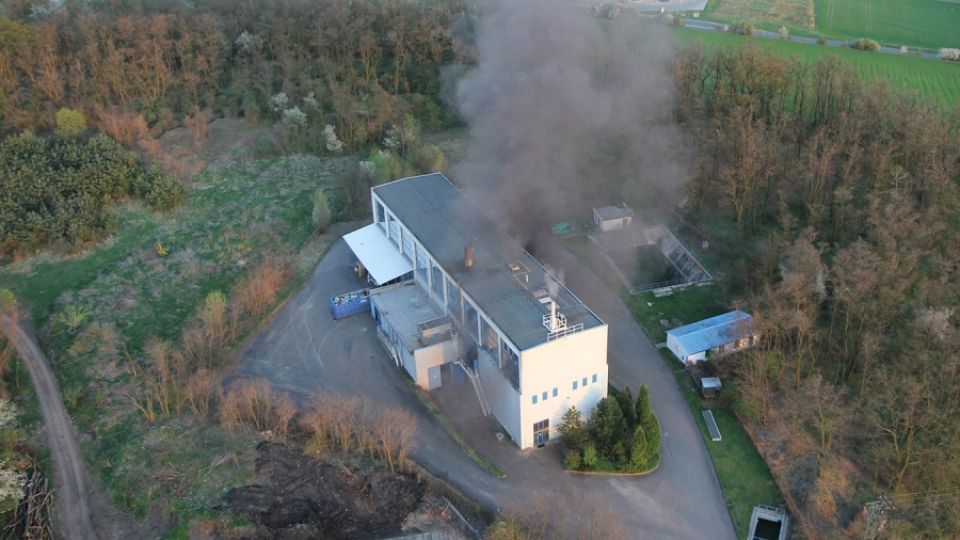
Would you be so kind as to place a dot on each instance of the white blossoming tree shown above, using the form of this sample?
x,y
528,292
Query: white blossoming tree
x,y
334,144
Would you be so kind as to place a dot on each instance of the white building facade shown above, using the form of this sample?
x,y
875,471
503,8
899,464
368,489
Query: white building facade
x,y
530,346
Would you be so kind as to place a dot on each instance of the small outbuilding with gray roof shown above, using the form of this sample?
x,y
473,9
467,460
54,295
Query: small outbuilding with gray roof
x,y
718,335
612,218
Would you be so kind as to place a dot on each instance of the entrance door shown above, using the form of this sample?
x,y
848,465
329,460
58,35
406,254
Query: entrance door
x,y
433,378
541,433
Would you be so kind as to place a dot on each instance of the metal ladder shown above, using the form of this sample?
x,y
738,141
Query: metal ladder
x,y
475,381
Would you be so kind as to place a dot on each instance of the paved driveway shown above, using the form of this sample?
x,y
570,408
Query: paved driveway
x,y
304,351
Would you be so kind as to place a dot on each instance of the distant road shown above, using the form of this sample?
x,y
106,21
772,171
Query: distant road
x,y
713,26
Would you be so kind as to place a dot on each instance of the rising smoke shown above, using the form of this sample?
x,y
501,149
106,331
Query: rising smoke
x,y
567,111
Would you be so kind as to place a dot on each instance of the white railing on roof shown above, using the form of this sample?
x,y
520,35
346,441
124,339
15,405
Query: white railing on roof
x,y
556,325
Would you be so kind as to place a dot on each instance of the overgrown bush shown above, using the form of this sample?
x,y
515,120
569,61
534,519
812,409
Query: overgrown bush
x,y
352,424
322,216
950,55
865,44
70,122
622,435
743,28
62,188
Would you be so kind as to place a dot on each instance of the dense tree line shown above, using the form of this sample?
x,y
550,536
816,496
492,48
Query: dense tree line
x,y
622,434
836,202
358,66
63,187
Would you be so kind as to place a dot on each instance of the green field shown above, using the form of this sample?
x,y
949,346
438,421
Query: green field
x,y
928,77
920,23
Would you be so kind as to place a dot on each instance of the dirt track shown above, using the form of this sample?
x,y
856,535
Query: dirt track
x,y
73,492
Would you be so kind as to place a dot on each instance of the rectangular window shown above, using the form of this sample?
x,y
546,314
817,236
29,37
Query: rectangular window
x,y
511,364
594,377
584,381
436,275
407,244
544,396
381,216
554,392
394,227
423,275
453,301
534,399
574,385
488,338
470,318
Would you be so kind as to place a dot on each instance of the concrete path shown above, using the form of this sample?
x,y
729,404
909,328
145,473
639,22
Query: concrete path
x,y
304,351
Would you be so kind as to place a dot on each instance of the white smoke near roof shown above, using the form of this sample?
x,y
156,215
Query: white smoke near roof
x,y
566,111
553,286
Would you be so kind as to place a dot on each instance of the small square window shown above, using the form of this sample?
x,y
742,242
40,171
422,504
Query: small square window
x,y
574,385
594,377
534,399
544,396
584,381
554,392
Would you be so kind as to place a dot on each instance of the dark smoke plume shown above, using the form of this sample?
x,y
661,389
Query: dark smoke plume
x,y
567,111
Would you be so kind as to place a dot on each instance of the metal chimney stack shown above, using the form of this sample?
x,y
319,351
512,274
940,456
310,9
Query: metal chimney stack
x,y
468,256
554,324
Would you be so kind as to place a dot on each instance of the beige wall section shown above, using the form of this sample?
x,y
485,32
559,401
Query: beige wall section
x,y
428,357
557,364
504,400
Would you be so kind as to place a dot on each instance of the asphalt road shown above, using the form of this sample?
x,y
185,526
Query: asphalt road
x,y
304,351
711,26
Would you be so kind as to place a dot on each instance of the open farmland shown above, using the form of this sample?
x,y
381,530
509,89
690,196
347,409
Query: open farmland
x,y
928,77
920,23
798,13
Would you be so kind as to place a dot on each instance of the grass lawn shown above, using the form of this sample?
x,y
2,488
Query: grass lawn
x,y
928,77
689,305
921,23
743,475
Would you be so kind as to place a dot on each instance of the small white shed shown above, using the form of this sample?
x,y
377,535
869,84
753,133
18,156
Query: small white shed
x,y
612,218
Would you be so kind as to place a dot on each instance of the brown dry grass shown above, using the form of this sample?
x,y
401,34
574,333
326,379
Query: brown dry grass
x,y
354,424
125,127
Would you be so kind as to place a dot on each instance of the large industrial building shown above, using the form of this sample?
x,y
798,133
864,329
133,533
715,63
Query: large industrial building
x,y
468,301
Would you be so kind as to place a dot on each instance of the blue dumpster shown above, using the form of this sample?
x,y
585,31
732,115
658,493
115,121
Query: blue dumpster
x,y
351,303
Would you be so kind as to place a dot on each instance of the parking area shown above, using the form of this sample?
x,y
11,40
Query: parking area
x,y
304,351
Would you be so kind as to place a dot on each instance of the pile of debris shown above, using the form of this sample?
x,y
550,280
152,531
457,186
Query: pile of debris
x,y
303,497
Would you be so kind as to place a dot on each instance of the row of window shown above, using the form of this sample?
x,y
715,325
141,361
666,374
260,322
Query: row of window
x,y
545,395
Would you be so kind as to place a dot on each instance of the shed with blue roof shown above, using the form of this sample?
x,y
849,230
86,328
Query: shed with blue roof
x,y
725,333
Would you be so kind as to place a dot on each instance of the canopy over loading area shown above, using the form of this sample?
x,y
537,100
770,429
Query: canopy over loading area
x,y
380,257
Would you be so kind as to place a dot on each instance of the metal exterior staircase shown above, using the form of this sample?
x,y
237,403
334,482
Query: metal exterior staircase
x,y
477,387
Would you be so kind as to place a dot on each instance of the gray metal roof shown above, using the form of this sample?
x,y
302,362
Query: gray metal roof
x,y
614,212
445,221
713,332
